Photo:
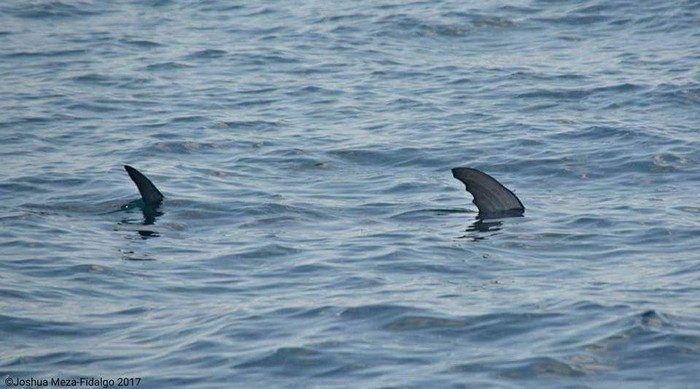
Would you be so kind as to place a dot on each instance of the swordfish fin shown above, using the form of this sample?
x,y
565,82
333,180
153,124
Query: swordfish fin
x,y
492,198
150,194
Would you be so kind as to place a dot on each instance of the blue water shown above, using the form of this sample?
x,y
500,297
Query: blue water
x,y
312,233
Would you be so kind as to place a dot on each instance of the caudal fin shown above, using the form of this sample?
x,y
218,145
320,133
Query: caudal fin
x,y
150,194
492,198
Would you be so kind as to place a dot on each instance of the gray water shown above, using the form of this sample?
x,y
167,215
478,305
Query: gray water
x,y
312,233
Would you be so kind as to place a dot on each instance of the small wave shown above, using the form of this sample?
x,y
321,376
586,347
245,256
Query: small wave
x,y
269,251
47,53
263,125
57,10
95,79
179,147
141,43
530,368
413,323
218,7
579,93
480,328
20,326
575,20
402,24
675,95
167,66
206,54
268,59
541,367
422,213
374,311
291,360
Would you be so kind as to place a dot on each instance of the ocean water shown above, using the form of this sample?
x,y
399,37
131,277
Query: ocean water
x,y
312,234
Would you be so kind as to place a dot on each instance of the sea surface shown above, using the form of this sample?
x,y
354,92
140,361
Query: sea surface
x,y
312,234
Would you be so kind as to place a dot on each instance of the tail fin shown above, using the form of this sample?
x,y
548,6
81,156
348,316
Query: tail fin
x,y
492,198
150,194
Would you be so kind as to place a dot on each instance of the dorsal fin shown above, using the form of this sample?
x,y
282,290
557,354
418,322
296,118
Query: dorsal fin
x,y
150,194
492,198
